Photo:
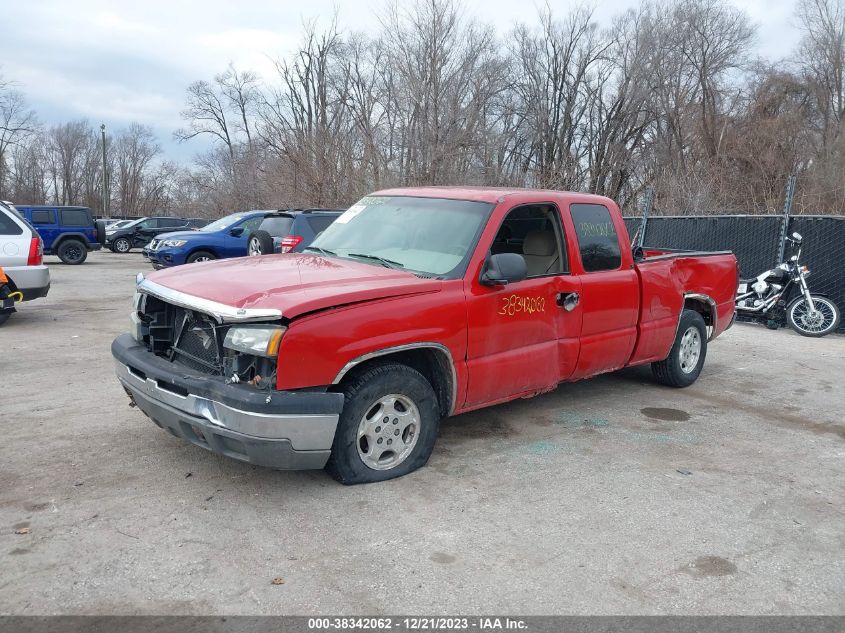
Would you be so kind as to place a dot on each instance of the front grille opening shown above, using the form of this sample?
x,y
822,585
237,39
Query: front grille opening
x,y
136,372
170,387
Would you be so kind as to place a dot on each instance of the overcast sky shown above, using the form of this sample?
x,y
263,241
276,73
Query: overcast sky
x,y
119,61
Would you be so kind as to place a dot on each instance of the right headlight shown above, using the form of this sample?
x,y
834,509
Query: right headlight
x,y
174,243
257,340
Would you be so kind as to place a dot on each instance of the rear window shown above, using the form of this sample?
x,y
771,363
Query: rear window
x,y
597,239
75,217
43,216
277,226
319,223
8,226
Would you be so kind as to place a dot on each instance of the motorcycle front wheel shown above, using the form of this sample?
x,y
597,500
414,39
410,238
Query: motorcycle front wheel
x,y
819,322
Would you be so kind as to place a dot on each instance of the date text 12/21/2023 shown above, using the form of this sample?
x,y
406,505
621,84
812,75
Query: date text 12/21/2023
x,y
419,623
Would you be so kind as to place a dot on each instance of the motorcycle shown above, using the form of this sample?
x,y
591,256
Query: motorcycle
x,y
765,298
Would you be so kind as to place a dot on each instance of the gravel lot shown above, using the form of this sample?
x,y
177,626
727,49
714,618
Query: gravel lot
x,y
611,496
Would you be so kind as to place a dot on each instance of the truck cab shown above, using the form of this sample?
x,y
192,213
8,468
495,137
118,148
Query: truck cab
x,y
415,304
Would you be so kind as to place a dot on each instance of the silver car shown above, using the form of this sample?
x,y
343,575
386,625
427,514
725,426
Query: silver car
x,y
21,258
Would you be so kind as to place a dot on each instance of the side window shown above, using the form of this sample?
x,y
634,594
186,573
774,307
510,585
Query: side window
x,y
8,226
75,217
251,225
149,223
172,222
319,223
43,216
597,238
533,231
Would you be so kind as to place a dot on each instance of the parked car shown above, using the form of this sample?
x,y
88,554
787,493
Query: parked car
x,y
415,304
69,232
223,238
117,224
290,230
24,276
138,233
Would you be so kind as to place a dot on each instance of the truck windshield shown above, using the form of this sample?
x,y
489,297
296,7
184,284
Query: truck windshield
x,y
433,236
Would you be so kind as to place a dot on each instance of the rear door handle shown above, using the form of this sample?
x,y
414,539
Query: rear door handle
x,y
568,300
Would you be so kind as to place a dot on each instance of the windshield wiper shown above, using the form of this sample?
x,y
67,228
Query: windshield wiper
x,y
323,251
387,263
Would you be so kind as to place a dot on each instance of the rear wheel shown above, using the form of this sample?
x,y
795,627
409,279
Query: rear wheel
x,y
686,358
821,319
388,426
200,256
72,252
260,243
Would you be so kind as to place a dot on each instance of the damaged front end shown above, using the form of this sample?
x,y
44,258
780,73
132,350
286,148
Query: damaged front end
x,y
206,372
207,337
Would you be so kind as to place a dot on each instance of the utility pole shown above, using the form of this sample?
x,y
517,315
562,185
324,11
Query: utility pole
x,y
105,174
787,212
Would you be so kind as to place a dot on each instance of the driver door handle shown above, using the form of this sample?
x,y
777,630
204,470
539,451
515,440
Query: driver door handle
x,y
568,300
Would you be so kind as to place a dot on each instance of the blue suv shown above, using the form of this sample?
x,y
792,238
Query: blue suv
x,y
69,232
226,237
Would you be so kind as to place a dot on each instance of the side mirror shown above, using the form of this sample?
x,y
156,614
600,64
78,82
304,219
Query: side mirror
x,y
237,231
503,268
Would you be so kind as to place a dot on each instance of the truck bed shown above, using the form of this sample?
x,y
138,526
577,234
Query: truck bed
x,y
670,278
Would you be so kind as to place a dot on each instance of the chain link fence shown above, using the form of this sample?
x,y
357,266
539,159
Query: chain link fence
x,y
756,240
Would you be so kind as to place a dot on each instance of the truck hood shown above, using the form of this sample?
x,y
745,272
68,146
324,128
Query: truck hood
x,y
294,283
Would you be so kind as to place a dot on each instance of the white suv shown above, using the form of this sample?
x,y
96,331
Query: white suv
x,y
21,255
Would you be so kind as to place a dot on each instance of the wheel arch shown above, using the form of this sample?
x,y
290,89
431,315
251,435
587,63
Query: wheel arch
x,y
433,360
64,237
705,306
197,249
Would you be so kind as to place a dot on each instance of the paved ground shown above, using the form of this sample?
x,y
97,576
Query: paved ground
x,y
608,496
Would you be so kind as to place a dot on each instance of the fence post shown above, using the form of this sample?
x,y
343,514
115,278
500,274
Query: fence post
x,y
787,211
648,199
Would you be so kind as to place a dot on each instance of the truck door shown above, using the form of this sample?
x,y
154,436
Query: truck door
x,y
610,290
521,338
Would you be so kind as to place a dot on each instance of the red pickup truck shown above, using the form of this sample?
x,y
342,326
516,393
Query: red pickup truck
x,y
416,304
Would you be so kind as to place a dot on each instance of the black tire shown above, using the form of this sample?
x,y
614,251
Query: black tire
x,y
72,252
828,309
362,394
200,256
100,225
260,241
672,372
121,245
4,316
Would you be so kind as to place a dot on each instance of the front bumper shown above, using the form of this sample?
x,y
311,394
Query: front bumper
x,y
286,430
32,281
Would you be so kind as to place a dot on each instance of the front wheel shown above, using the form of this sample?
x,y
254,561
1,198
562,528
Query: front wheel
x,y
200,256
388,426
121,245
686,358
821,320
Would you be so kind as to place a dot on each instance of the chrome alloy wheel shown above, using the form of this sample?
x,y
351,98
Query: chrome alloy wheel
x,y
814,321
388,432
690,350
254,247
202,258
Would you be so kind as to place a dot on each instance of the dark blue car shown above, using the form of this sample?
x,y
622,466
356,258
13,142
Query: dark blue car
x,y
69,232
226,237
